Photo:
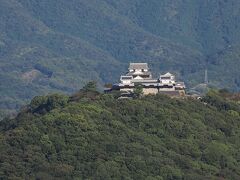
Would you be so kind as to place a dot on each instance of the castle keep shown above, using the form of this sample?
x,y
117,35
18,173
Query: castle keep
x,y
139,74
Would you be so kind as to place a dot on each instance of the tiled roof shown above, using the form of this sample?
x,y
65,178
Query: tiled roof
x,y
180,84
167,74
141,73
138,66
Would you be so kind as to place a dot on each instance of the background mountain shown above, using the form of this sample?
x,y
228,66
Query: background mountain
x,y
59,45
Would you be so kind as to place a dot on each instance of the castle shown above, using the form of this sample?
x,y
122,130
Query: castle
x,y
139,74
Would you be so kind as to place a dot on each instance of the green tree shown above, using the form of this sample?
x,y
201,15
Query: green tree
x,y
37,102
56,101
90,86
138,91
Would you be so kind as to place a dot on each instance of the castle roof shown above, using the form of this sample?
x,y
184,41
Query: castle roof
x,y
167,74
180,83
138,66
138,73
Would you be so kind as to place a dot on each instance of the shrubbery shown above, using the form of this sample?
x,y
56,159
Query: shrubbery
x,y
95,136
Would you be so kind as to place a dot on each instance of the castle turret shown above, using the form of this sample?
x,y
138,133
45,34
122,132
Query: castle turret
x,y
139,71
167,79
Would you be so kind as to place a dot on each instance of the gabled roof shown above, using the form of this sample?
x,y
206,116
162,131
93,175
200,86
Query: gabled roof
x,y
139,73
182,84
138,77
138,66
167,74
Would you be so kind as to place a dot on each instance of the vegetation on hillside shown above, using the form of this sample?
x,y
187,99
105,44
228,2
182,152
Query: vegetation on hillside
x,y
90,135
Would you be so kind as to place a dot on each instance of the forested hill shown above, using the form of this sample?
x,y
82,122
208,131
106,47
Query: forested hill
x,y
95,136
58,45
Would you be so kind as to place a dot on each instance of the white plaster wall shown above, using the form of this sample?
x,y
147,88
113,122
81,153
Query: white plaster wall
x,y
167,89
127,89
167,81
126,81
150,91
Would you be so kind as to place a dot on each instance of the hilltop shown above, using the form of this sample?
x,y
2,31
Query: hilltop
x,y
90,135
58,45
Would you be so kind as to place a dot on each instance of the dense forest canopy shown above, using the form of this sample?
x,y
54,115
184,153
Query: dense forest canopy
x,y
90,135
58,45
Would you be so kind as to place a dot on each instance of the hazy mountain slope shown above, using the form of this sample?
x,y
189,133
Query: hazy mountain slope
x,y
169,19
36,60
58,45
131,30
209,26
103,26
225,64
206,25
